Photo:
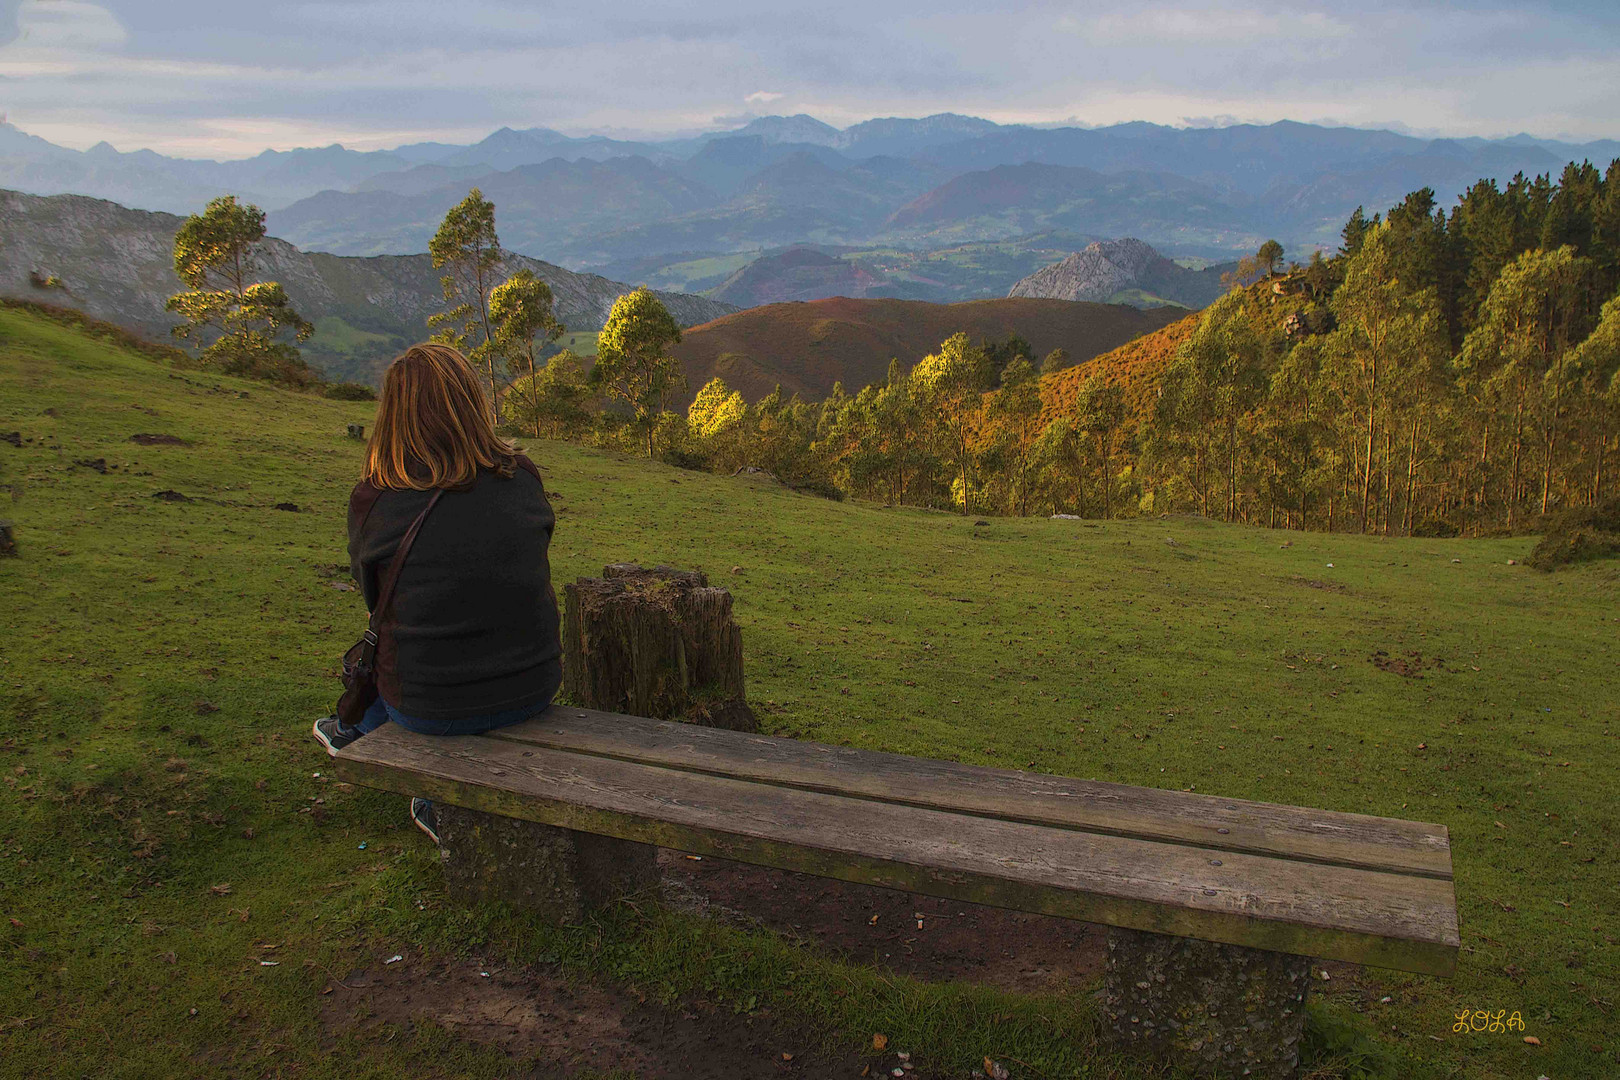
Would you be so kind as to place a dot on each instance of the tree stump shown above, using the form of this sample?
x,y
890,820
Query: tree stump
x,y
659,643
1215,1010
8,539
357,431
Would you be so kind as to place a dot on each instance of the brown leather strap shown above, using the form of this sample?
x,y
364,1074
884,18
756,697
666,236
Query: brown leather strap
x,y
385,595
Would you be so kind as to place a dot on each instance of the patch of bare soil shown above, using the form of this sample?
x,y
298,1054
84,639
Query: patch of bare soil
x,y
1410,666
1311,583
147,439
922,936
564,1030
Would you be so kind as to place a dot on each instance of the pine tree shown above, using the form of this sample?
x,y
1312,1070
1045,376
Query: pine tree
x,y
218,255
633,361
467,248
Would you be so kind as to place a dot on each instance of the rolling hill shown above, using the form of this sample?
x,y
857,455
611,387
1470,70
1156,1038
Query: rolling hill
x,y
798,274
117,264
807,347
1135,367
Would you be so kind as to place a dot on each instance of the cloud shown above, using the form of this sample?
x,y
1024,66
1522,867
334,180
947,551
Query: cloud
x,y
199,76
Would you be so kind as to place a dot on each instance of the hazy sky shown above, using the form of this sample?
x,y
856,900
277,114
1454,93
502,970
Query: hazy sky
x,y
224,78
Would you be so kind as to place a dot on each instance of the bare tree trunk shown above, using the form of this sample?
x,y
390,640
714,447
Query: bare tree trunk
x,y
1366,467
1547,463
1389,458
1105,479
1409,514
1597,475
1518,448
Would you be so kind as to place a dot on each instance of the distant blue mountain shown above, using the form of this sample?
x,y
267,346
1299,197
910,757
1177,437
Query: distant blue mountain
x,y
781,180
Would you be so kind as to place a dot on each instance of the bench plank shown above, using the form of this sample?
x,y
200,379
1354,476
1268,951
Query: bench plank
x,y
1377,917
1149,813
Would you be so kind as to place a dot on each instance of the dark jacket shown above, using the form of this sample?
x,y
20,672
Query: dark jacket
x,y
473,628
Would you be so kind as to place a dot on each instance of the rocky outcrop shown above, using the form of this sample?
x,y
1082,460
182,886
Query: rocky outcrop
x,y
118,264
1108,268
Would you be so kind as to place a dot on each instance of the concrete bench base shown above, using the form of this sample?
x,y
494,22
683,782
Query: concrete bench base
x,y
1215,1010
558,873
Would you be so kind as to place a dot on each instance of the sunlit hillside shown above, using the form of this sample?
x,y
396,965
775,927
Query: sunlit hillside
x,y
180,886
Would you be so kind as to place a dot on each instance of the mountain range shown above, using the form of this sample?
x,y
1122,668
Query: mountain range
x,y
592,202
118,264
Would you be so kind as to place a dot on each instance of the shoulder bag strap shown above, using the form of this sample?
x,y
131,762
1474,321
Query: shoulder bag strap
x,y
385,595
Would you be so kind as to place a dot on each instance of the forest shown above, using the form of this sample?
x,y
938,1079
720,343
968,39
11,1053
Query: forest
x,y
1446,371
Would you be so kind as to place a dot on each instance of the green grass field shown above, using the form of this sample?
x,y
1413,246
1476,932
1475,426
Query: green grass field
x,y
162,829
582,342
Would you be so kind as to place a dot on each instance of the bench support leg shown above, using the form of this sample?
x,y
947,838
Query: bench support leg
x,y
559,873
1218,1010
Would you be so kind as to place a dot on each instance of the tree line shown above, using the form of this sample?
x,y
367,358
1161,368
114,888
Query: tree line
x,y
1443,372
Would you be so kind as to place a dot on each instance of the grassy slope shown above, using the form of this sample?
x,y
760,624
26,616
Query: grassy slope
x,y
1221,662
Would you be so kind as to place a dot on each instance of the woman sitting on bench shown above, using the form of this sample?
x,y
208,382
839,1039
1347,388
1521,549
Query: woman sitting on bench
x,y
469,640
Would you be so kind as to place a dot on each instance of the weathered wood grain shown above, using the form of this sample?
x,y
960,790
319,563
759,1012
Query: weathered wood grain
x,y
1235,825
1377,917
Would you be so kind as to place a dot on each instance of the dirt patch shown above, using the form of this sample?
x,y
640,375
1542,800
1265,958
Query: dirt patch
x,y
568,1029
171,496
12,437
1310,583
864,924
97,465
157,440
291,508
572,1029
1409,666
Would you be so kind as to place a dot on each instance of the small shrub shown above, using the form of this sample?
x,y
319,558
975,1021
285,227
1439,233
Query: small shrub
x,y
1435,528
349,391
819,487
1579,535
683,458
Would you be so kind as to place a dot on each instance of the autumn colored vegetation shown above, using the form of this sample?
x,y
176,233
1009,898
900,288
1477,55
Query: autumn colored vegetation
x,y
1441,374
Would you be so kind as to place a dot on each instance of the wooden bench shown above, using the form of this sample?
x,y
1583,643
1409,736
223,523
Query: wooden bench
x,y
1216,905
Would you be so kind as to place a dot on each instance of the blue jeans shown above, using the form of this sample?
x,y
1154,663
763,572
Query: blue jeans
x,y
381,713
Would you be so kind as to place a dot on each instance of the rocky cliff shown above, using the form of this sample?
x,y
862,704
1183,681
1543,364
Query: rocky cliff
x,y
117,264
1124,270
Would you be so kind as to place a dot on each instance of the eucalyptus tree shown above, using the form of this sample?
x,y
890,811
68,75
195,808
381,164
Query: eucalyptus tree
x,y
1539,309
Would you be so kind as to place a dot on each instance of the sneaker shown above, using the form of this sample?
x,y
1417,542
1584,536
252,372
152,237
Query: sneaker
x,y
330,733
424,817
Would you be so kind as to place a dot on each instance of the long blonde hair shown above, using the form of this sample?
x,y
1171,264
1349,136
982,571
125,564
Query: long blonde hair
x,y
433,428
